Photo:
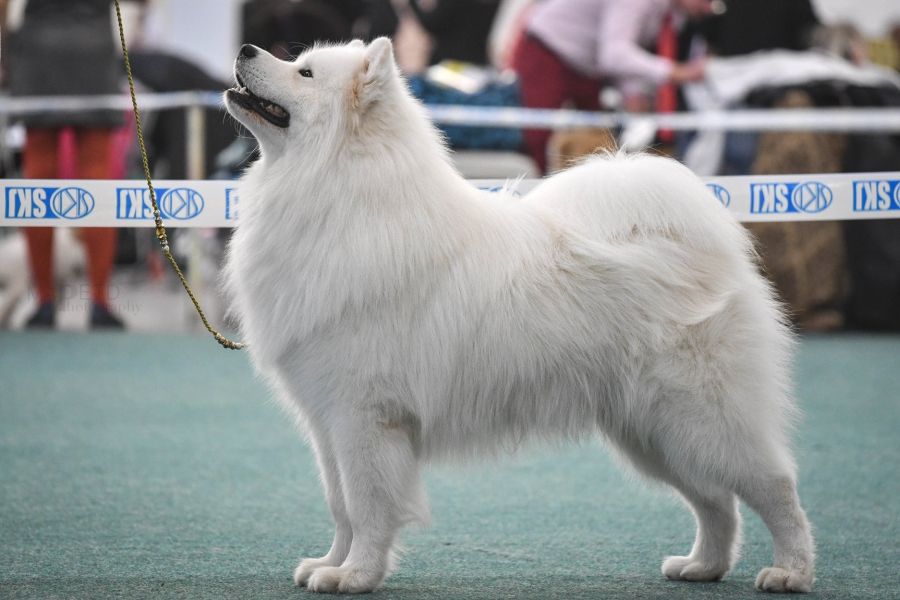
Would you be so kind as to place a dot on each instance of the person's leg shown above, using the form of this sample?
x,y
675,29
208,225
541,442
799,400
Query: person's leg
x,y
40,161
542,80
585,91
94,149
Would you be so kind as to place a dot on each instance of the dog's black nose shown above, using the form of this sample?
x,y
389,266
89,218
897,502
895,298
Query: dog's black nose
x,y
249,50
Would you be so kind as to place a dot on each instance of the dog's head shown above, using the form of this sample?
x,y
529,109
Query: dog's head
x,y
298,105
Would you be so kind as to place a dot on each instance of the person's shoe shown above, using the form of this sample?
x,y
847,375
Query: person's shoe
x,y
43,318
102,318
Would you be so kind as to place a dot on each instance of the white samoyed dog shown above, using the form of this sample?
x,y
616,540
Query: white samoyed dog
x,y
407,316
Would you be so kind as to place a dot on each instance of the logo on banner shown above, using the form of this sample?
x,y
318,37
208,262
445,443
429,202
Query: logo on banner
x,y
790,197
721,193
231,204
501,188
180,204
876,195
48,203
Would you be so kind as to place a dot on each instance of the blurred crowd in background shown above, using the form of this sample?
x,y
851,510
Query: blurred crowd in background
x,y
598,55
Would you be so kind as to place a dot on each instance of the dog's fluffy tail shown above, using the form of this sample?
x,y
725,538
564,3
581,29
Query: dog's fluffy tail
x,y
667,279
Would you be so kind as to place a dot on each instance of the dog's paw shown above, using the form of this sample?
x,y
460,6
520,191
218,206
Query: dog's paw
x,y
690,569
778,580
342,580
306,567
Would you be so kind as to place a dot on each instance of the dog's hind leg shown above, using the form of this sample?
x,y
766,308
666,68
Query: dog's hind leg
x,y
334,495
773,495
718,532
715,510
380,477
750,457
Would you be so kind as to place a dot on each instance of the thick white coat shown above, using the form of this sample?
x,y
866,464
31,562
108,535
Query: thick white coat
x,y
407,316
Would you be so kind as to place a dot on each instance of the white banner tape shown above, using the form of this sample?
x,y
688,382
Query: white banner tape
x,y
216,203
882,120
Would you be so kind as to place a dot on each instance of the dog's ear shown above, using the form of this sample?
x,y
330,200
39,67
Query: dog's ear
x,y
378,67
380,59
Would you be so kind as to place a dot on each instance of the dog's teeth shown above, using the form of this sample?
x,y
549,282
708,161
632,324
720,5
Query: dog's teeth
x,y
273,109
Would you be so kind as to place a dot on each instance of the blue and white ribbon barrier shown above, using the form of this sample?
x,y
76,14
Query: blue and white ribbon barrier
x,y
216,203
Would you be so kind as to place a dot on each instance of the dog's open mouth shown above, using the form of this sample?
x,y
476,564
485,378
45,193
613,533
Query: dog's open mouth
x,y
268,110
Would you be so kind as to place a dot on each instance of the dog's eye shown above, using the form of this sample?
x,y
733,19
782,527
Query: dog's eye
x,y
305,73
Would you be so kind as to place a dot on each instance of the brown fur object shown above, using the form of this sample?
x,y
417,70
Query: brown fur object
x,y
567,146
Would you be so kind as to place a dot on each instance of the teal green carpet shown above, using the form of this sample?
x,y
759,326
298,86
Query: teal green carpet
x,y
158,467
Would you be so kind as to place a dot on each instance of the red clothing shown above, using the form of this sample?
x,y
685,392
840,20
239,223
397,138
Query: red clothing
x,y
667,94
41,160
547,82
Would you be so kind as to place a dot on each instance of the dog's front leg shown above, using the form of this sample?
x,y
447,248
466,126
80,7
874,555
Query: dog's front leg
x,y
380,477
334,494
